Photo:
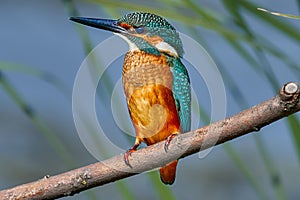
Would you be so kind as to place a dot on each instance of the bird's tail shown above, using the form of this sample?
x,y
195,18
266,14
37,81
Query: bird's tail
x,y
168,173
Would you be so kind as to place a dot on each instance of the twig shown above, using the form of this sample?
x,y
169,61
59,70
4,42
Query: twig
x,y
113,169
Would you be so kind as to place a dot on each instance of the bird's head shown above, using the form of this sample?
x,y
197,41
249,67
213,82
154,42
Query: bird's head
x,y
143,31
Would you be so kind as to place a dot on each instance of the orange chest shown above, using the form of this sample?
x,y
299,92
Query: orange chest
x,y
148,86
142,69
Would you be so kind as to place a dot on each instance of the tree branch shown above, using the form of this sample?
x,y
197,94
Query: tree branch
x,y
113,169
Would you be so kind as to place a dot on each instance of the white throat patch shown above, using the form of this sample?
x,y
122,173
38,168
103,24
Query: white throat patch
x,y
132,46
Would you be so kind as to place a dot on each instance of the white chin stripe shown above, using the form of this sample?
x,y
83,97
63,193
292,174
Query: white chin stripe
x,y
132,46
165,47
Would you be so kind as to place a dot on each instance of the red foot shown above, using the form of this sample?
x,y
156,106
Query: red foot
x,y
128,153
168,140
126,156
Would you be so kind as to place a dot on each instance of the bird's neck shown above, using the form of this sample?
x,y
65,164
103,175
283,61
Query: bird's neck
x,y
156,49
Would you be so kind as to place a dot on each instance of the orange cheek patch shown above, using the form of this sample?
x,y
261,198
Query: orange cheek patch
x,y
153,40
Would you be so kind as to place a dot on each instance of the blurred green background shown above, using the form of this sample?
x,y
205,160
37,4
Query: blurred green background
x,y
256,53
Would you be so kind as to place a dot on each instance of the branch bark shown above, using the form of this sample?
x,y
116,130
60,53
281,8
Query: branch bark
x,y
113,169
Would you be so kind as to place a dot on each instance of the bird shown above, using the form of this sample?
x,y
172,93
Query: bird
x,y
155,81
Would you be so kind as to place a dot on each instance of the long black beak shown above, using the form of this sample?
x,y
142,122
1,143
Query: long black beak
x,y
105,24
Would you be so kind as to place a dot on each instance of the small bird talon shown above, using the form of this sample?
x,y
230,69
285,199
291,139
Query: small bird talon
x,y
166,145
126,157
168,140
128,153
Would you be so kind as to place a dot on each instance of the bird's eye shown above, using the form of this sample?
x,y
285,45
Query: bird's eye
x,y
139,30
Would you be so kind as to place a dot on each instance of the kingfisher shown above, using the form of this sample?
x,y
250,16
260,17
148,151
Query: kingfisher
x,y
155,81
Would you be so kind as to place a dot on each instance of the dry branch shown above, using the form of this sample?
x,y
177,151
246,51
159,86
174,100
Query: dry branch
x,y
113,169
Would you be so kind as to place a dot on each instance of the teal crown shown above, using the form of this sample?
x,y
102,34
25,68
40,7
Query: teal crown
x,y
152,25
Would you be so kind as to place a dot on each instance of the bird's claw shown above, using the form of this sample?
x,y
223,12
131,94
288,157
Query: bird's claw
x,y
126,156
129,151
168,140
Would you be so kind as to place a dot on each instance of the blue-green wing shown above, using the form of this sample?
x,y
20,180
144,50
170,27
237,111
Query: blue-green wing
x,y
182,93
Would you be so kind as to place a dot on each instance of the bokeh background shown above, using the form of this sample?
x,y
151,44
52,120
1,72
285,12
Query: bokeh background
x,y
40,54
